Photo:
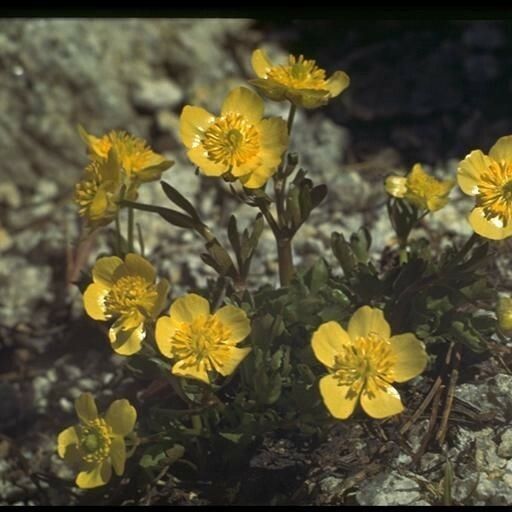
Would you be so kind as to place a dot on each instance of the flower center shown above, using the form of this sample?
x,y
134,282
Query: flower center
x,y
86,190
366,359
200,338
95,440
495,193
231,140
299,74
130,294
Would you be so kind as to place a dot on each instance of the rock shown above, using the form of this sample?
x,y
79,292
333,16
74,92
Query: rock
x,y
505,447
390,488
156,94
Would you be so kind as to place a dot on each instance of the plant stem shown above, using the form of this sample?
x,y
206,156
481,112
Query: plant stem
x,y
118,236
283,238
130,228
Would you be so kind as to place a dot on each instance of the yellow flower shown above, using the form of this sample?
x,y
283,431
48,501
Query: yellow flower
x,y
97,195
125,291
200,342
300,81
139,161
504,311
489,179
238,142
420,189
363,363
97,443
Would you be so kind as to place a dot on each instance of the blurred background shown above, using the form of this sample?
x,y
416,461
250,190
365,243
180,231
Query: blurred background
x,y
424,92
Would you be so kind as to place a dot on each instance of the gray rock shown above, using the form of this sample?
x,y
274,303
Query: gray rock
x,y
157,94
505,447
389,488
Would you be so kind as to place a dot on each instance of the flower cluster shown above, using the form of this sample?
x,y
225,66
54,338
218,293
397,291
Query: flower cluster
x,y
263,340
119,163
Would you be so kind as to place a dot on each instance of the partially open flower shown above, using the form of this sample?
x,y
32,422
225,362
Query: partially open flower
x,y
97,195
363,363
238,143
489,179
504,311
300,81
97,443
127,292
420,189
199,342
140,163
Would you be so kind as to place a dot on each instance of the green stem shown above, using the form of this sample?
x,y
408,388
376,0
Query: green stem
x,y
118,236
130,228
291,117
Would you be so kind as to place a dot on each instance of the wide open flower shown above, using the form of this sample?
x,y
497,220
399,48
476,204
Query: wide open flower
x,y
140,163
200,342
489,180
363,363
125,291
420,189
97,443
238,142
97,195
300,81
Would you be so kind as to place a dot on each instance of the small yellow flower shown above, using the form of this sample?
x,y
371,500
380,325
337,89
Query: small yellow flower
x,y
489,179
238,142
504,311
363,363
300,81
140,163
97,443
97,195
200,342
420,189
125,291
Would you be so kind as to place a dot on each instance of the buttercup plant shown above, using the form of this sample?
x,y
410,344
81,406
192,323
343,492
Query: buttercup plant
x,y
232,362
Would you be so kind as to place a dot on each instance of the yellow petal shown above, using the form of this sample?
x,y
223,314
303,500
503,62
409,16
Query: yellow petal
x,y
99,475
273,134
199,156
65,439
245,102
85,407
94,301
381,401
164,333
126,342
502,150
99,204
470,170
118,455
366,320
258,177
235,319
269,88
162,289
226,359
436,203
138,266
191,369
189,307
396,186
121,416
261,63
411,358
338,82
308,98
492,229
328,342
194,121
339,400
104,269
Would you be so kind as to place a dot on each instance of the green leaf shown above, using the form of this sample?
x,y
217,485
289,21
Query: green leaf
x,y
171,216
180,200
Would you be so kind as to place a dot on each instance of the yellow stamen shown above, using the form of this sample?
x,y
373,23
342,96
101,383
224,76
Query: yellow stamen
x,y
495,192
231,140
95,440
129,294
299,74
